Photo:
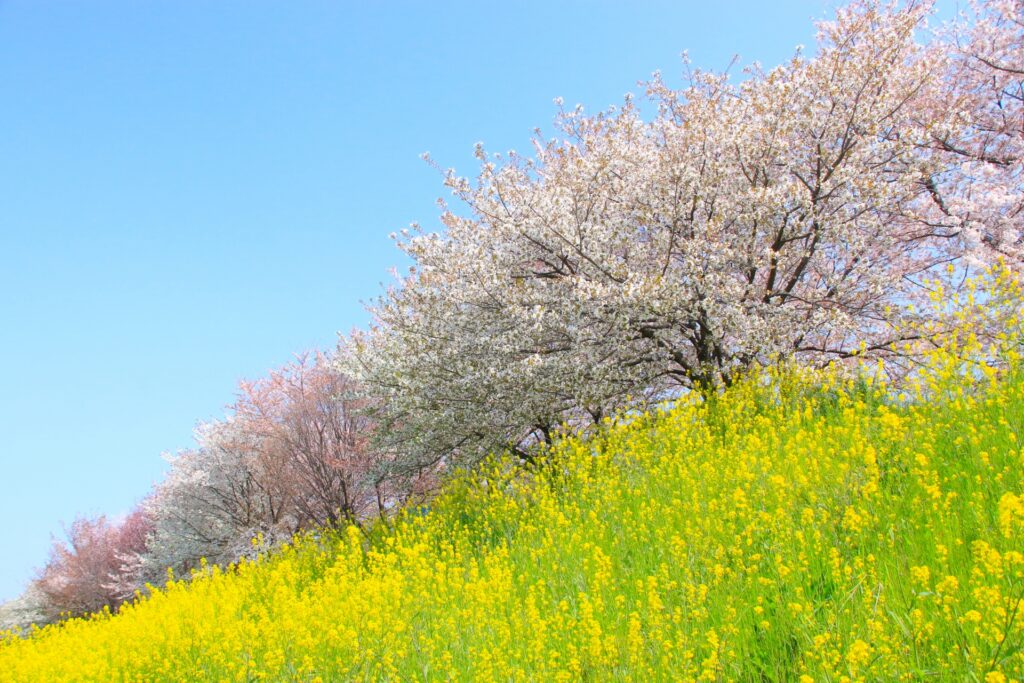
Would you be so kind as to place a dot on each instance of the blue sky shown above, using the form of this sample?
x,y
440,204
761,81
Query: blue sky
x,y
190,192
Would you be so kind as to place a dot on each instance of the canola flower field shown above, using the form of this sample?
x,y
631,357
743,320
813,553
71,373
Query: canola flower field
x,y
801,526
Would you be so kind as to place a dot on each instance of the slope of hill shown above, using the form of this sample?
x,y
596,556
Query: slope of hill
x,y
801,526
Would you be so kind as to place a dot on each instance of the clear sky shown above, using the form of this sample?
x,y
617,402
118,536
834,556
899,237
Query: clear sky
x,y
190,192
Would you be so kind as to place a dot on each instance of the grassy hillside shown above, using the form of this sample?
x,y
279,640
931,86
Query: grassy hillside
x,y
800,527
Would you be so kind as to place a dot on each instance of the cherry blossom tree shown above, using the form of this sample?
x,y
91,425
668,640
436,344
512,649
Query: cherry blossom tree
x,y
806,211
215,499
89,571
131,542
305,422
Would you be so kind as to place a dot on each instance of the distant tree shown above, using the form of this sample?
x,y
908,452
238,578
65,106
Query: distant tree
x,y
214,500
88,571
18,615
131,541
305,423
806,211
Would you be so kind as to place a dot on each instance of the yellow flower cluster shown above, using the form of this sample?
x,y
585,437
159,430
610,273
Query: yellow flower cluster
x,y
802,525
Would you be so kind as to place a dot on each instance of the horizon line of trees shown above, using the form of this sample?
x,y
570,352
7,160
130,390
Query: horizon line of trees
x,y
822,210
292,454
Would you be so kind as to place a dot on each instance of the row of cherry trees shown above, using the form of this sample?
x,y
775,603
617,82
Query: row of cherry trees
x,y
808,211
294,453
